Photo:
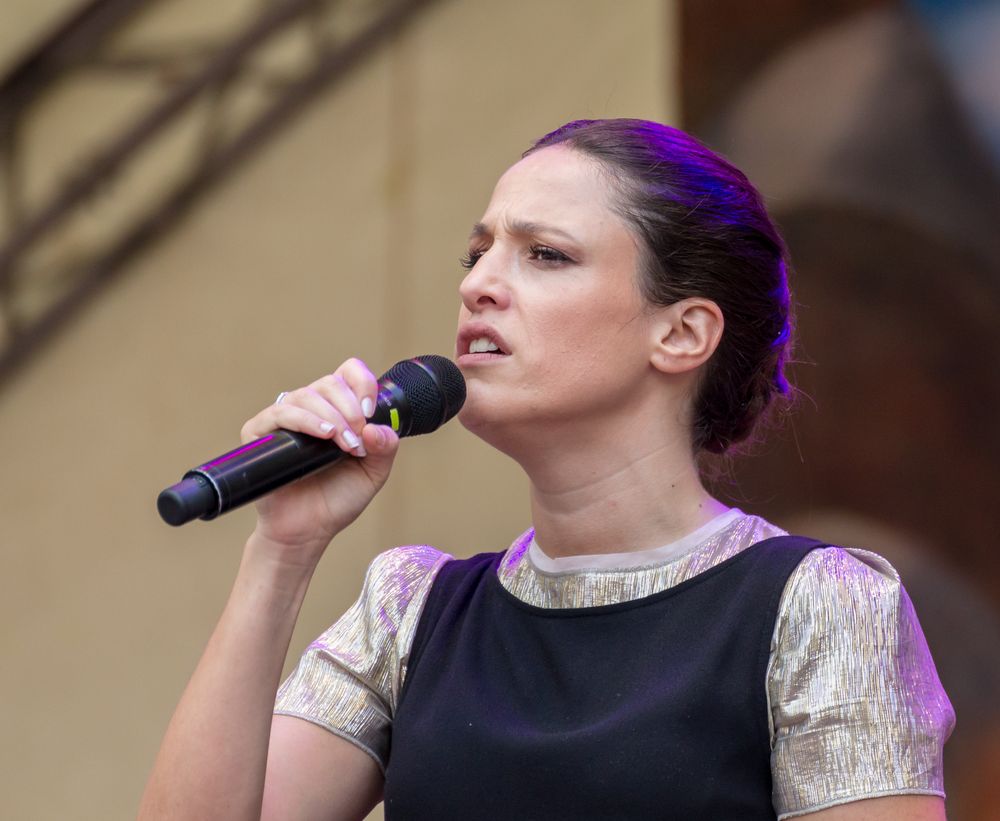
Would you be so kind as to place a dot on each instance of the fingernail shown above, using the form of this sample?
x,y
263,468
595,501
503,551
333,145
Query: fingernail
x,y
380,436
351,438
360,451
326,427
367,407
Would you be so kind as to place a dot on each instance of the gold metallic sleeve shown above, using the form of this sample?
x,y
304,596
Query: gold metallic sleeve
x,y
858,710
348,679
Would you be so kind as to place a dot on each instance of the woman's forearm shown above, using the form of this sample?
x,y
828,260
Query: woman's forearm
x,y
213,759
214,754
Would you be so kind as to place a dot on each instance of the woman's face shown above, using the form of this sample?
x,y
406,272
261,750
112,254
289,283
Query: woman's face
x,y
552,327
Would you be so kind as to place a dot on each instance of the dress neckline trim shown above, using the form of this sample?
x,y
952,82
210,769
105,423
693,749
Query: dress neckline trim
x,y
661,555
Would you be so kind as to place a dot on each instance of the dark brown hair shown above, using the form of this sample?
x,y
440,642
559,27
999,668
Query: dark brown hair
x,y
705,233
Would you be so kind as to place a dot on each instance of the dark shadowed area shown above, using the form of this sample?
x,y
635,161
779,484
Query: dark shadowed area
x,y
855,127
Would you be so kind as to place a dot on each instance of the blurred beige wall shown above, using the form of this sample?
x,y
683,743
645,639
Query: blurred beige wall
x,y
24,22
341,238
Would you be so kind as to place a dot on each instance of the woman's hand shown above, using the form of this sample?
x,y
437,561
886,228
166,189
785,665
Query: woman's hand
x,y
299,520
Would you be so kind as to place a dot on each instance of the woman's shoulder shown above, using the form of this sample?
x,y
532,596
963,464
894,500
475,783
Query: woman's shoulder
x,y
849,598
409,558
402,573
846,617
832,579
837,562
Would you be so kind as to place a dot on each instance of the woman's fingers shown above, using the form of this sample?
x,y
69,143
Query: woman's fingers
x,y
334,392
290,416
363,385
336,407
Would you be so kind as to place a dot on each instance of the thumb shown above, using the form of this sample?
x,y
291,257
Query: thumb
x,y
381,442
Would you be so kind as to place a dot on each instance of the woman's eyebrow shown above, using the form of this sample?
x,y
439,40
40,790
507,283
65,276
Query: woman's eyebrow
x,y
522,228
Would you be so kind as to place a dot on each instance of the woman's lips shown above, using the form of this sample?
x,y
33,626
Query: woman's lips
x,y
485,356
478,340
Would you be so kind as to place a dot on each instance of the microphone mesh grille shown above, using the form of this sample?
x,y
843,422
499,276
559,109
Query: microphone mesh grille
x,y
435,388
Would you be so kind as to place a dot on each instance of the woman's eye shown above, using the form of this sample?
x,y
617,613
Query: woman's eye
x,y
470,259
544,253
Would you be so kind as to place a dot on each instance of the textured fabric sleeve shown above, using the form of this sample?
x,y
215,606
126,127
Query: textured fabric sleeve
x,y
348,679
857,708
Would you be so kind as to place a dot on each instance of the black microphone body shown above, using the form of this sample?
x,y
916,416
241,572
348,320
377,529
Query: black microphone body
x,y
415,396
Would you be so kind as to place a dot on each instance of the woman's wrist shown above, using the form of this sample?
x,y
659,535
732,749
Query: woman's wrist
x,y
279,567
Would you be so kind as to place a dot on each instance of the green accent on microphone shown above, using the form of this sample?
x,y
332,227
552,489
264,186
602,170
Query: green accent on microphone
x,y
394,419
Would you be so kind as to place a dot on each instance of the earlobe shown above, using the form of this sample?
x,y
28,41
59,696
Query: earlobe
x,y
686,335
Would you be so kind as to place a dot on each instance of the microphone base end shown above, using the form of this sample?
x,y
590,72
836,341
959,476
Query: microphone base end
x,y
191,498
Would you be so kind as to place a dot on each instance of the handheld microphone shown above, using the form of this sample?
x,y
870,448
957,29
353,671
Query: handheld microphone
x,y
415,396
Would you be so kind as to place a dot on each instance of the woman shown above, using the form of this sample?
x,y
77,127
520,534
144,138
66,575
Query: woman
x,y
631,656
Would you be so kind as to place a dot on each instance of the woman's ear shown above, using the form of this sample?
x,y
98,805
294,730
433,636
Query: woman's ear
x,y
686,334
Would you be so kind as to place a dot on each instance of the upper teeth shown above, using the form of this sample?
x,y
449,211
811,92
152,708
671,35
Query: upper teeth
x,y
482,345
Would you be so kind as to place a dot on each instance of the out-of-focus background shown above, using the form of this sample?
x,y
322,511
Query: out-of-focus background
x,y
202,204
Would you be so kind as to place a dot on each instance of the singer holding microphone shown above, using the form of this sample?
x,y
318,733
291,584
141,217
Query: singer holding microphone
x,y
643,650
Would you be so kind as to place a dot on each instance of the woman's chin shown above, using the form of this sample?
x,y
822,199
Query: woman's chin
x,y
484,420
474,417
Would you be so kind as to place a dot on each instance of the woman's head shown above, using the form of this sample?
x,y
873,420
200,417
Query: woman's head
x,y
703,231
554,333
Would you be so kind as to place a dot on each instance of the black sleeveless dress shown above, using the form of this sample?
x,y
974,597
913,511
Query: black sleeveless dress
x,y
650,709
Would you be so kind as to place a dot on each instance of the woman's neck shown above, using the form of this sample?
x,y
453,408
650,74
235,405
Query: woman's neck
x,y
635,497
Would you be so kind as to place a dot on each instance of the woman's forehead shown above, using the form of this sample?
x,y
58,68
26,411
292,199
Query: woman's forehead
x,y
550,185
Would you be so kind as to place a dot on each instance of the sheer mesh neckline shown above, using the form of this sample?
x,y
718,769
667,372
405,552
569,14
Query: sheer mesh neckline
x,y
664,554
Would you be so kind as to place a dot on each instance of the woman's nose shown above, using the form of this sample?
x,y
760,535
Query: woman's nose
x,y
485,286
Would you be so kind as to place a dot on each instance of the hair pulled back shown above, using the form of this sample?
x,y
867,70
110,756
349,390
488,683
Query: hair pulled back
x,y
705,233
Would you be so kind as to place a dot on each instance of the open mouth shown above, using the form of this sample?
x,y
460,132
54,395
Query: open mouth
x,y
484,344
482,341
